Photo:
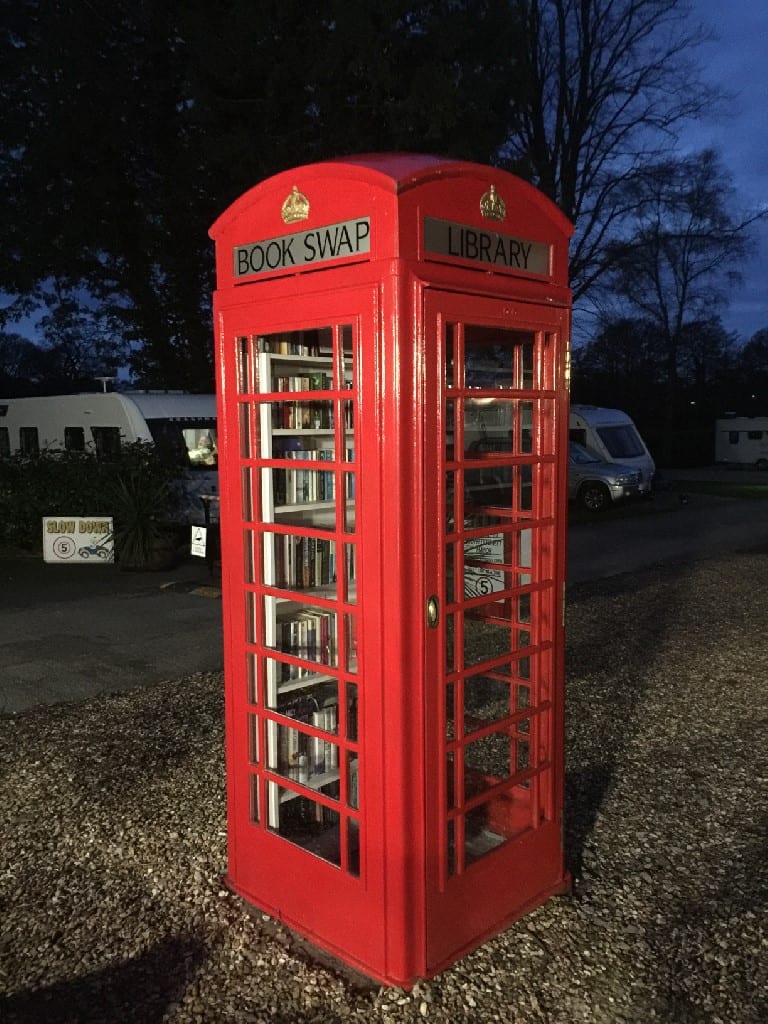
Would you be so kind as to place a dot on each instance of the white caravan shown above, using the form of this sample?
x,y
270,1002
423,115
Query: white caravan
x,y
742,440
181,426
613,437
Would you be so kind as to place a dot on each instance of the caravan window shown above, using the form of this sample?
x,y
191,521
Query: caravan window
x,y
5,441
107,441
28,441
74,439
622,442
755,435
189,442
733,437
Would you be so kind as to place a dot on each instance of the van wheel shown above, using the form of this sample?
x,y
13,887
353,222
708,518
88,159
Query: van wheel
x,y
595,497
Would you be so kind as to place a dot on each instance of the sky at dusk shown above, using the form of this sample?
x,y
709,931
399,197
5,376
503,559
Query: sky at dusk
x,y
737,61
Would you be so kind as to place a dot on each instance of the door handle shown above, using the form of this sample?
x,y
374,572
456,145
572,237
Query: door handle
x,y
433,612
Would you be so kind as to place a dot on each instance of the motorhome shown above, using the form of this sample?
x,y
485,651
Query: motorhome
x,y
181,426
742,441
611,435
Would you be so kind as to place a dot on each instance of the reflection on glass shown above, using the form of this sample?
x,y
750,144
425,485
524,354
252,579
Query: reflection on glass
x,y
488,486
450,429
350,639
450,498
486,762
253,739
349,506
497,358
353,790
350,573
522,746
525,365
255,808
347,355
450,778
244,415
251,630
249,561
243,362
353,847
450,659
247,494
450,713
526,488
450,573
484,641
352,711
486,700
252,676
450,354
524,550
306,823
488,363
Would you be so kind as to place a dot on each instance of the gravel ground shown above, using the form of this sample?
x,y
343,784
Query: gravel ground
x,y
113,844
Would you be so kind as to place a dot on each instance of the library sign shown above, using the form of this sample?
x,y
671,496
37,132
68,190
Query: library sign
x,y
78,539
304,250
501,252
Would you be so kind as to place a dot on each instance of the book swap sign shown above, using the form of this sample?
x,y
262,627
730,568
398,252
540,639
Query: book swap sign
x,y
84,539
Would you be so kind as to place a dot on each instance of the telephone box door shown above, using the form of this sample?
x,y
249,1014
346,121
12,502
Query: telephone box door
x,y
496,423
297,691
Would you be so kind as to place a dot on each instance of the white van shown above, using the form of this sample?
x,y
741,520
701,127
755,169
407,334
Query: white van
x,y
182,427
742,440
612,436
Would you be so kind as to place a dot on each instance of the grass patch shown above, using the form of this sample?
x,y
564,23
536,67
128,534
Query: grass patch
x,y
721,489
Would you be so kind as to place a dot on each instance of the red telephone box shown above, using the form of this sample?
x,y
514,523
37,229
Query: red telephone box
x,y
392,336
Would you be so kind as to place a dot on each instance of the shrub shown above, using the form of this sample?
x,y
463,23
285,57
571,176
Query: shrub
x,y
57,483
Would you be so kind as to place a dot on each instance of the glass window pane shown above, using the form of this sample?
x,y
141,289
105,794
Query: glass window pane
x,y
350,639
306,823
486,700
253,739
353,847
352,711
353,780
296,562
484,640
486,762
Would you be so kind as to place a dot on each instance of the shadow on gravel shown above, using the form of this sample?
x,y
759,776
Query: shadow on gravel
x,y
585,792
140,990
607,669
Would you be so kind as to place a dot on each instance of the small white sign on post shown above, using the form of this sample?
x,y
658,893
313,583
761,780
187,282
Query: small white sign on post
x,y
78,539
199,535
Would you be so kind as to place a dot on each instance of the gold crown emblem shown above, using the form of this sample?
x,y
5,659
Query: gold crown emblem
x,y
295,207
492,206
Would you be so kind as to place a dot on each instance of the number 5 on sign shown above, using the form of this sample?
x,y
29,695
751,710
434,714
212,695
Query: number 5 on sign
x,y
198,541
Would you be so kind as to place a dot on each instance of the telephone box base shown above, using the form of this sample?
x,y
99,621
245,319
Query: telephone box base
x,y
363,976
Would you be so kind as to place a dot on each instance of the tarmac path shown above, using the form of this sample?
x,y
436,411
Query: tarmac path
x,y
70,632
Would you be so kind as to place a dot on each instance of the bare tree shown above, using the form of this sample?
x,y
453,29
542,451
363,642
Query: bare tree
x,y
682,247
608,82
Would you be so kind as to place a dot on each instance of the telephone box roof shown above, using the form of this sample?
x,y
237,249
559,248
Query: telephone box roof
x,y
397,173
